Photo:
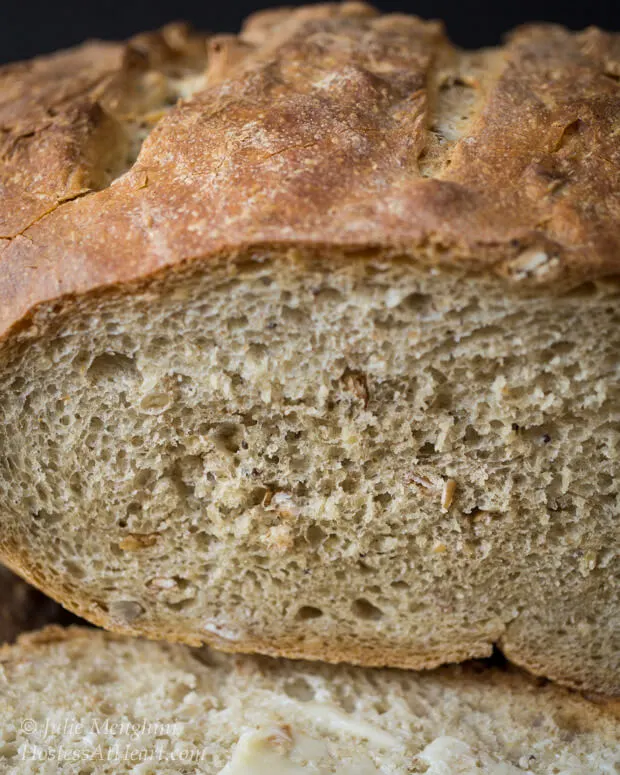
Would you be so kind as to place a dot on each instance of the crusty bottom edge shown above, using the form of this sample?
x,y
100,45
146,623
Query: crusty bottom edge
x,y
310,649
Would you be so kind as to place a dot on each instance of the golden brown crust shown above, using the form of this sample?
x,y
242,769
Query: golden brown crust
x,y
327,126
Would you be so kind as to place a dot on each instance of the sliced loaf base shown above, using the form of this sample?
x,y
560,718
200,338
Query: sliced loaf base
x,y
114,705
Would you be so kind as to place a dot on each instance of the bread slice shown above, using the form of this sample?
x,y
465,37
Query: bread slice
x,y
24,608
310,340
117,705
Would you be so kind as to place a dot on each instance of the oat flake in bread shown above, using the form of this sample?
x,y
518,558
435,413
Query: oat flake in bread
x,y
310,340
200,711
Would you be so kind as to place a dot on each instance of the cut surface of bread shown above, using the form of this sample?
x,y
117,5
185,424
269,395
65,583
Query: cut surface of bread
x,y
24,608
118,705
316,353
366,463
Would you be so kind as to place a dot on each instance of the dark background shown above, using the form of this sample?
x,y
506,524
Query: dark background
x,y
28,27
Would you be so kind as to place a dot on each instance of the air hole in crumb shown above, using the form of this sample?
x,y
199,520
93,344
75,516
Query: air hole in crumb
x,y
237,323
202,541
293,315
299,689
48,517
347,703
144,477
100,678
181,604
112,366
75,570
471,435
314,535
426,450
350,483
383,498
327,295
258,496
227,437
558,348
415,302
134,508
364,609
473,512
307,612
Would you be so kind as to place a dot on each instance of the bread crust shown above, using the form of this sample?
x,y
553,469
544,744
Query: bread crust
x,y
372,655
316,648
317,128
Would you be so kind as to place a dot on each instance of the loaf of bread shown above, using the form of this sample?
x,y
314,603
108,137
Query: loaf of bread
x,y
116,705
310,340
24,608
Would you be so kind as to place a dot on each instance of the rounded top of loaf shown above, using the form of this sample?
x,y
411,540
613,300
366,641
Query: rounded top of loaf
x,y
330,128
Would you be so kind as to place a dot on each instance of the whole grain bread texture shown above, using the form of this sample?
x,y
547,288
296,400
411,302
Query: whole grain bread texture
x,y
117,705
23,608
310,340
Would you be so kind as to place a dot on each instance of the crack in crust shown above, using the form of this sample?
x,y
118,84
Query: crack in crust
x,y
328,125
73,122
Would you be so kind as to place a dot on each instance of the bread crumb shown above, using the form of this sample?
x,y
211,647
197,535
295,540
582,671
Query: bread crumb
x,y
279,539
355,382
284,505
